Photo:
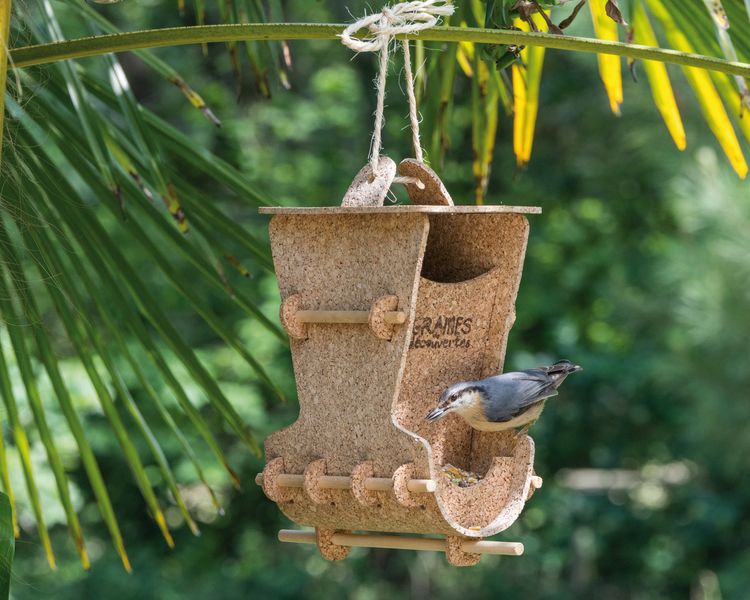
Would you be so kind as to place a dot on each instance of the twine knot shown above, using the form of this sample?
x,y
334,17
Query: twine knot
x,y
398,19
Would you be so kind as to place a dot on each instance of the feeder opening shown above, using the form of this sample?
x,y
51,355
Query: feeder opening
x,y
456,251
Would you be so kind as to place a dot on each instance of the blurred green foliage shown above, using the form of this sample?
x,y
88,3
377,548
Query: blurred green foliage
x,y
638,270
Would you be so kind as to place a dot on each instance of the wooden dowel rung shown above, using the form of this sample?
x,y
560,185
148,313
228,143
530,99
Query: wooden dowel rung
x,y
395,317
352,317
415,486
333,316
296,536
335,482
380,484
536,481
492,547
392,542
395,542
340,482
286,480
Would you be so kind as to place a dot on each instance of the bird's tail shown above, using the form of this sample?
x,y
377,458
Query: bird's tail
x,y
564,367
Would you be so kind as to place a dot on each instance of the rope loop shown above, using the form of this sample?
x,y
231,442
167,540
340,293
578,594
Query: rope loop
x,y
399,19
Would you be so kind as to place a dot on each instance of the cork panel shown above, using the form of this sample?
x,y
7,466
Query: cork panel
x,y
344,381
346,377
486,445
471,274
456,555
329,550
448,344
359,476
369,188
462,246
271,487
432,192
493,504
466,305
467,245
511,251
399,209
345,512
377,322
478,511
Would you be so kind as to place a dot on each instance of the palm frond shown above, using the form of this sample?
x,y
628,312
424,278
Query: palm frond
x,y
658,78
694,22
527,80
7,545
15,327
83,134
610,67
21,441
708,97
4,47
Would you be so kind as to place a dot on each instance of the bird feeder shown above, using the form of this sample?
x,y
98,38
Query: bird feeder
x,y
385,307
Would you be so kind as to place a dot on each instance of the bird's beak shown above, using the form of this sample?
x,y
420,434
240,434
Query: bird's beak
x,y
577,368
435,414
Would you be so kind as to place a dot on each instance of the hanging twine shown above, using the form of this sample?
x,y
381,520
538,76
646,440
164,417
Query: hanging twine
x,y
399,19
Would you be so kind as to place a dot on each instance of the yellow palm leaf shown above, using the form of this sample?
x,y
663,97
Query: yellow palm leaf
x,y
519,114
610,68
464,56
709,99
656,72
734,101
526,82
485,99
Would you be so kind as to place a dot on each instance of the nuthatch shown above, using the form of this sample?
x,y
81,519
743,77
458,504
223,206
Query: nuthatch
x,y
504,401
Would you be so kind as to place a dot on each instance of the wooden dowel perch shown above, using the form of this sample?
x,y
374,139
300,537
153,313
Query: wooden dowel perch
x,y
392,317
382,317
336,482
397,542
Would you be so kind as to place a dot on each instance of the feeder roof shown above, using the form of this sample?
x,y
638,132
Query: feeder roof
x,y
404,208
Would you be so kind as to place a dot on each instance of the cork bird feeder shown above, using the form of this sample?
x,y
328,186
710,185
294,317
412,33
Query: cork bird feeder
x,y
385,307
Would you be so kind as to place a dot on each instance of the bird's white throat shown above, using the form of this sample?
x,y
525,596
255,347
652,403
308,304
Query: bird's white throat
x,y
469,406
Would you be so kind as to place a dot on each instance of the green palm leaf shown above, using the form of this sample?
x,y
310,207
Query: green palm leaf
x,y
7,545
120,160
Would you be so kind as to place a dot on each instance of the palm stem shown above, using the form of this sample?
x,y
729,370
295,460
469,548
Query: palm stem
x,y
122,42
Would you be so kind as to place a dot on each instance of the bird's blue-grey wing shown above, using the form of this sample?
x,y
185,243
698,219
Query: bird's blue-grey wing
x,y
514,393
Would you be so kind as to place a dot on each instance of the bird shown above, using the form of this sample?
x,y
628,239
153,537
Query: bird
x,y
506,401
